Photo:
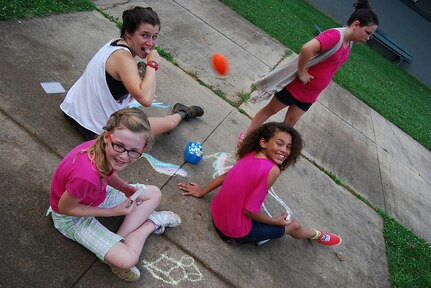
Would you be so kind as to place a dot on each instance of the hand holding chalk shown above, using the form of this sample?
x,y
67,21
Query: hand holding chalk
x,y
137,194
289,216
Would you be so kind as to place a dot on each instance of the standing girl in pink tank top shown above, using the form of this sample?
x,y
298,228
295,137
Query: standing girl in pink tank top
x,y
302,92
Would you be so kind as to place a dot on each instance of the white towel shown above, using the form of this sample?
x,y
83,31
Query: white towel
x,y
281,76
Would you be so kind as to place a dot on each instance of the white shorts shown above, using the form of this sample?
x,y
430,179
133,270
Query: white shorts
x,y
88,231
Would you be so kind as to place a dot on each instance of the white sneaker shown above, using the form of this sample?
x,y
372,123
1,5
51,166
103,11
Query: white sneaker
x,y
129,275
164,219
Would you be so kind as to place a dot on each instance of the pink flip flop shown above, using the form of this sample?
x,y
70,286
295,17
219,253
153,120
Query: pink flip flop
x,y
240,139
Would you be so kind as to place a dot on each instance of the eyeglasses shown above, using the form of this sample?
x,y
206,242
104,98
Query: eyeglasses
x,y
120,149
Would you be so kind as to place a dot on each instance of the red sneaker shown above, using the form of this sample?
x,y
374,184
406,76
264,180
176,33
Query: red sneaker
x,y
328,239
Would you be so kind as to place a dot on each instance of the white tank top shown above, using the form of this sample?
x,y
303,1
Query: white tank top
x,y
89,101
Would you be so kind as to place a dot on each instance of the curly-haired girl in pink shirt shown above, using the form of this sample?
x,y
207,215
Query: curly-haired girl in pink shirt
x,y
236,209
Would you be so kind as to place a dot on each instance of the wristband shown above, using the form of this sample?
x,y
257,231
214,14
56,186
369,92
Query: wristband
x,y
153,64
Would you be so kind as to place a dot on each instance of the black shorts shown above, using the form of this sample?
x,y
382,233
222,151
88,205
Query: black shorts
x,y
286,98
87,134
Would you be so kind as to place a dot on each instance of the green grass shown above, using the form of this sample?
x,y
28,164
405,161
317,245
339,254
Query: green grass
x,y
244,96
409,258
382,85
16,9
111,18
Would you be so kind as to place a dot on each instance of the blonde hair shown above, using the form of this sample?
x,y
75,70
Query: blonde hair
x,y
133,119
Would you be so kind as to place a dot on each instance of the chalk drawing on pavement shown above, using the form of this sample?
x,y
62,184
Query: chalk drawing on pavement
x,y
172,271
274,195
222,163
158,104
164,167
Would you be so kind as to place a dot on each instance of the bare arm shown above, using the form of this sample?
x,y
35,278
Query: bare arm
x,y
309,49
69,205
122,66
192,189
262,217
116,182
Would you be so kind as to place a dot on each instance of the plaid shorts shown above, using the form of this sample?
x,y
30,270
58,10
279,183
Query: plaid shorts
x,y
88,231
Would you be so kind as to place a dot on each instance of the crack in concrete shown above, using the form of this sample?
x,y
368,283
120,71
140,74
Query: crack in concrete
x,y
230,39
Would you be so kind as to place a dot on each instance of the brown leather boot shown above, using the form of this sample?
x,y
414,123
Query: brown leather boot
x,y
191,111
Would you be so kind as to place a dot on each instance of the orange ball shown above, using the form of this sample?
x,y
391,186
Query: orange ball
x,y
220,64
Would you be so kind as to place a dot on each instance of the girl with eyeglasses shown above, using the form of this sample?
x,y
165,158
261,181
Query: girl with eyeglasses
x,y
86,185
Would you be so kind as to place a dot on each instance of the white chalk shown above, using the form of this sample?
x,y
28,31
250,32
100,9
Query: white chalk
x,y
137,194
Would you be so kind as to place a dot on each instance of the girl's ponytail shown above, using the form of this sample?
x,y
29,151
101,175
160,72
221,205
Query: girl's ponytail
x,y
364,14
362,4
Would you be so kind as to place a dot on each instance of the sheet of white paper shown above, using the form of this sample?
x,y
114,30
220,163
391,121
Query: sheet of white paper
x,y
52,87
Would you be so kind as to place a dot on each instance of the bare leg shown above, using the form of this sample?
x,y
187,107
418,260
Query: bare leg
x,y
133,221
135,230
293,114
295,230
160,125
272,108
126,255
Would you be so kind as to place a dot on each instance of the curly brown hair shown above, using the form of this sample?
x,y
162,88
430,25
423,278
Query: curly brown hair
x,y
267,131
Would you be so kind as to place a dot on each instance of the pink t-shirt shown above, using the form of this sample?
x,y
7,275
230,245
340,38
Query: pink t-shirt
x,y
244,187
77,175
322,72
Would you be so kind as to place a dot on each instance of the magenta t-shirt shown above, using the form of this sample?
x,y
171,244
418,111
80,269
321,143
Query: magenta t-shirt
x,y
245,186
77,175
322,72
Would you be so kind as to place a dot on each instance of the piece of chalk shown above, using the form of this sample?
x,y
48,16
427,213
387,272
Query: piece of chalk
x,y
138,193
289,216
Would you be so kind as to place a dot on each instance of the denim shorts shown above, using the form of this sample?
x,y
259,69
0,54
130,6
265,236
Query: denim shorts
x,y
286,98
259,232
